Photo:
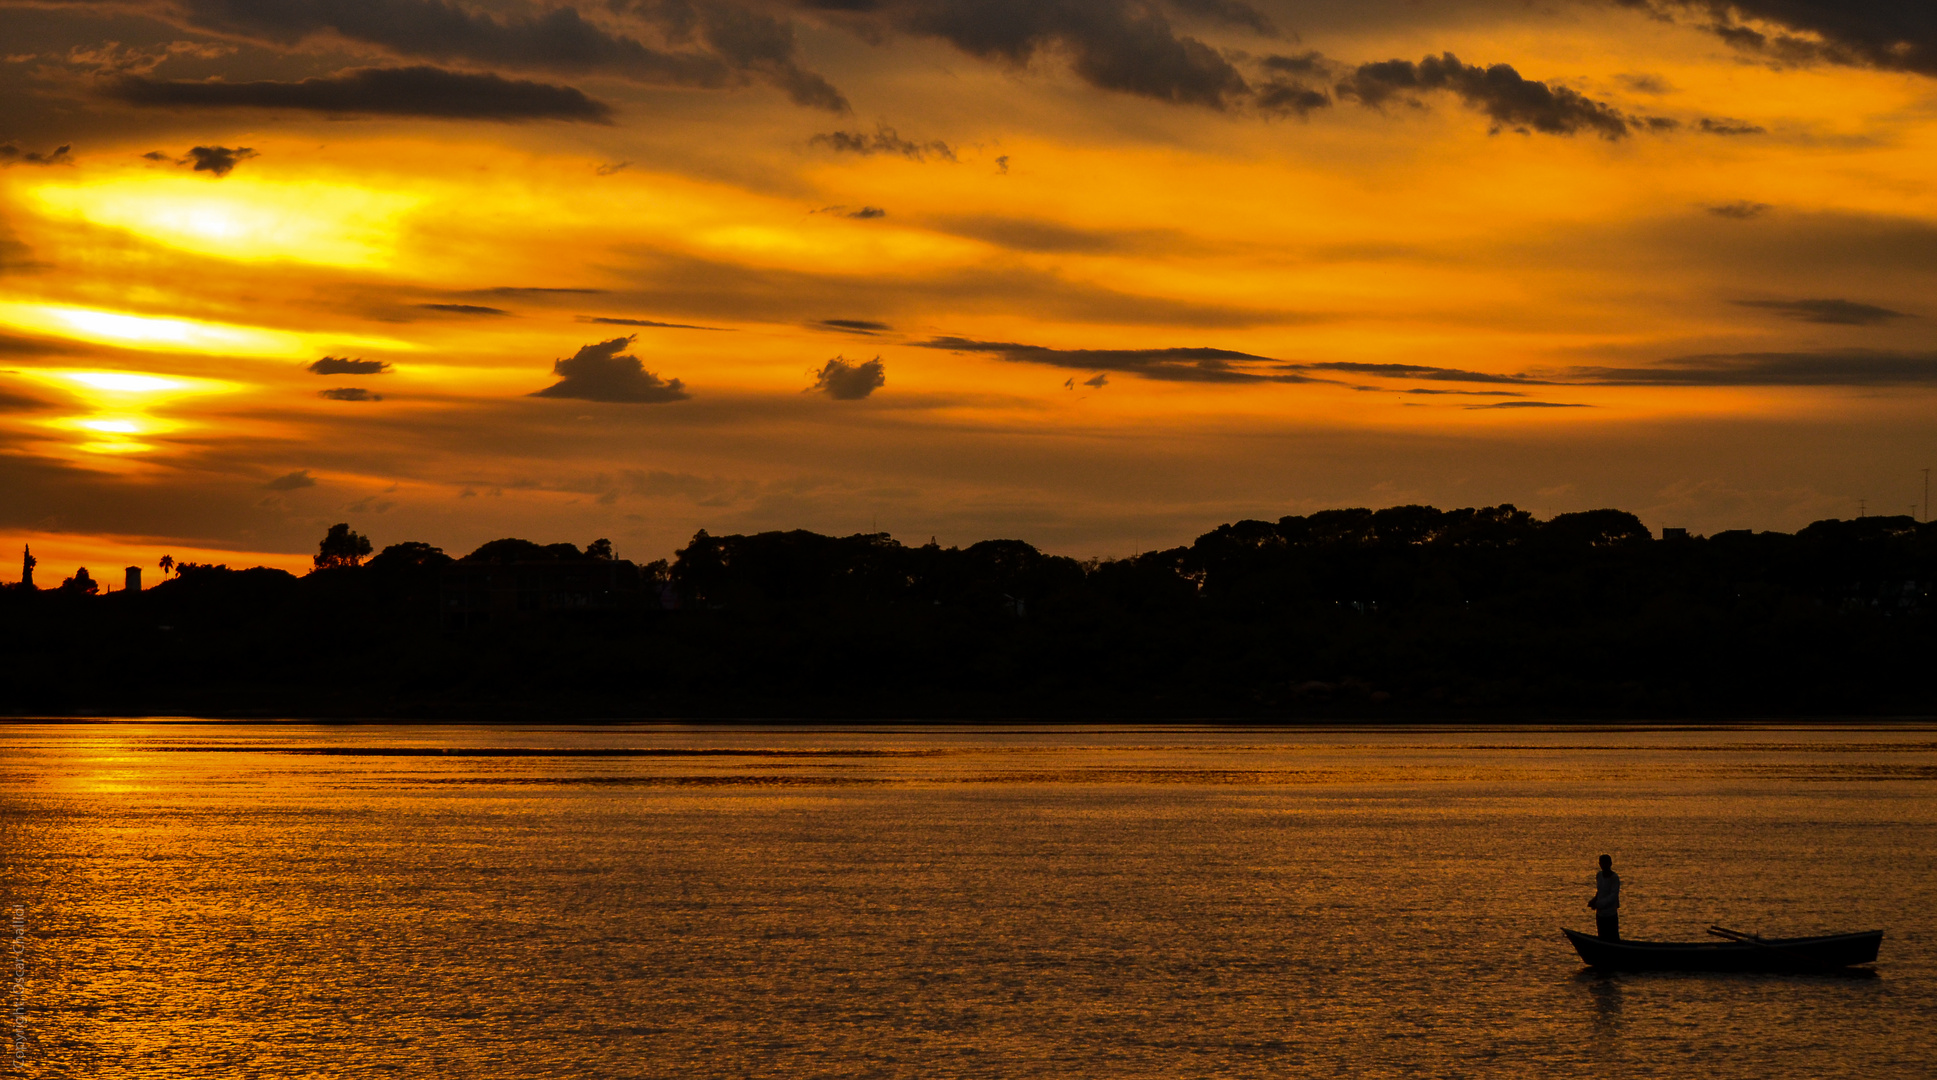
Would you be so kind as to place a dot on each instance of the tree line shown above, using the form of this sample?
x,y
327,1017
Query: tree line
x,y
1408,612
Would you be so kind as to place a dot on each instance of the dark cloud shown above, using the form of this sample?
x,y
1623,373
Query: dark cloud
x,y
1644,83
1234,12
1289,96
1498,91
1305,63
605,372
1098,380
1286,89
884,141
711,45
1168,365
1709,126
1740,209
845,380
292,481
602,320
1895,35
1837,312
1461,393
349,393
343,365
855,326
1529,405
744,40
540,290
14,155
409,91
220,160
1418,371
1127,46
465,309
1846,368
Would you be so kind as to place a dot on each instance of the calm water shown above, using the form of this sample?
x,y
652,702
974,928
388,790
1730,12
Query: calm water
x,y
290,900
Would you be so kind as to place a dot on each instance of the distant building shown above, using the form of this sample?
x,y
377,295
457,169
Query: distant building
x,y
134,579
475,593
1674,534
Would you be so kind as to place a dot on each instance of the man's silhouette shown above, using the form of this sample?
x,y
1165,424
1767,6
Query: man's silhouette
x,y
1607,900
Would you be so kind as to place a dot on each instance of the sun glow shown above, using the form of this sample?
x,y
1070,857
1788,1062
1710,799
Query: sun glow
x,y
116,434
180,335
122,407
116,426
120,381
242,218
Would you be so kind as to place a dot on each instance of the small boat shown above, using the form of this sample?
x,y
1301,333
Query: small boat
x,y
1737,952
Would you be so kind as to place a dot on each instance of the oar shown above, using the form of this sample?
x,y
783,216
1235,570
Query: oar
x,y
1739,936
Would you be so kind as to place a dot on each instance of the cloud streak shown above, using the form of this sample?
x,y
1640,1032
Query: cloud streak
x,y
409,91
1833,312
1419,371
1203,365
1853,368
466,309
605,320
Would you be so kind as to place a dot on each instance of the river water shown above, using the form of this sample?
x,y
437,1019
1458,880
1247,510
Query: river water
x,y
281,900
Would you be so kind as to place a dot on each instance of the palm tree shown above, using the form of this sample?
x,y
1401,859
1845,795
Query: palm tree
x,y
167,565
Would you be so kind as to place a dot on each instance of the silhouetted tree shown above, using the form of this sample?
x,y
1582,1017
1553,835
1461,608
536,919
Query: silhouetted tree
x,y
341,547
409,553
600,549
513,550
80,583
167,565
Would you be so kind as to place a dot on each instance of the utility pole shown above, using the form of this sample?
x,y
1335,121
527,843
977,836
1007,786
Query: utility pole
x,y
1862,507
1926,496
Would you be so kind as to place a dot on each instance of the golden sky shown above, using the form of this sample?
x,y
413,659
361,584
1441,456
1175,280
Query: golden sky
x,y
1098,274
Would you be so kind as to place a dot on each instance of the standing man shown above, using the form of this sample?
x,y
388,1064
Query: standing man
x,y
1607,901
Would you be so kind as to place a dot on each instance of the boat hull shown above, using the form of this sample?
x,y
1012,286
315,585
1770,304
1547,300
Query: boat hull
x,y
1771,954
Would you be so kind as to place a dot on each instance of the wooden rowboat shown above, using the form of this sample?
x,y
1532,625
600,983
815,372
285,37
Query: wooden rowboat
x,y
1739,952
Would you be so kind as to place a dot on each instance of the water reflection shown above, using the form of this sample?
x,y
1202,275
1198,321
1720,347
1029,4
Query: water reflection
x,y
1067,903
1604,992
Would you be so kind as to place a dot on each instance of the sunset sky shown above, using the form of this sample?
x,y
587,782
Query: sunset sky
x,y
1097,274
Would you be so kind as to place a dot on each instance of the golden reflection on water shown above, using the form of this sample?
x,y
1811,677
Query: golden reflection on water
x,y
659,901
